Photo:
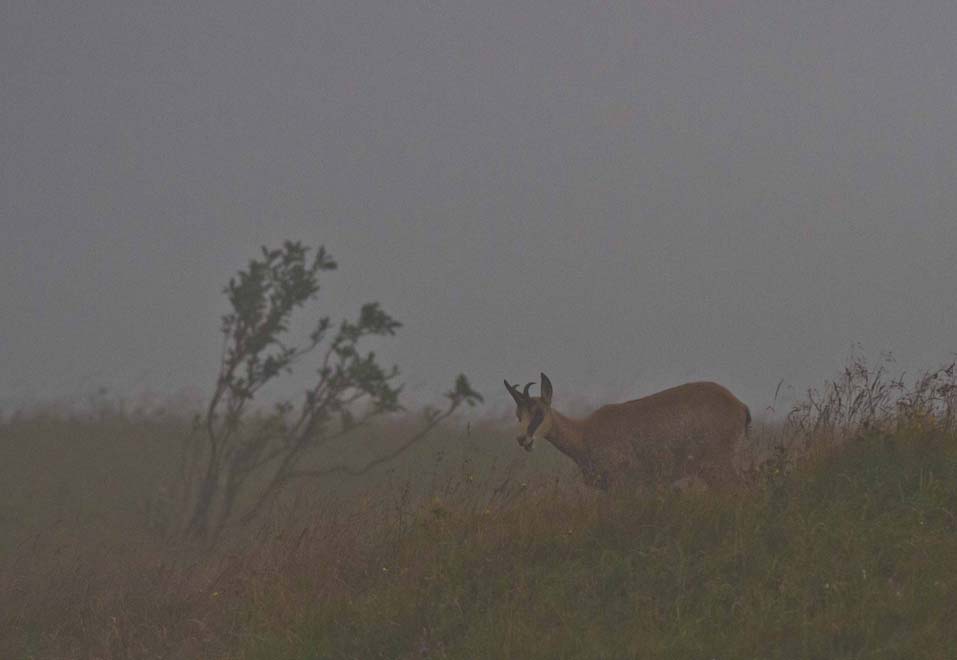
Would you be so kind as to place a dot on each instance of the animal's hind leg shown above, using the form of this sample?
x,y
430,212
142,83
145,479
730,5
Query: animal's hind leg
x,y
722,473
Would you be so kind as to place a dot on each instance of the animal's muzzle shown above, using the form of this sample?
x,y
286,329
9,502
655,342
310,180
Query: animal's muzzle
x,y
525,442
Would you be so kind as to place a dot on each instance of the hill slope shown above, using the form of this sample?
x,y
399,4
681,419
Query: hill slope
x,y
853,554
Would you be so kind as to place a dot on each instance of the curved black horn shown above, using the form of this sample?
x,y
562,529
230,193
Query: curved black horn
x,y
515,393
527,388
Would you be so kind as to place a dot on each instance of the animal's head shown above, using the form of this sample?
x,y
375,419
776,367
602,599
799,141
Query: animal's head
x,y
534,413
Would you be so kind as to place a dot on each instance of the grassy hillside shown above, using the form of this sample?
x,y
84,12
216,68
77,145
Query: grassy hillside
x,y
846,549
852,555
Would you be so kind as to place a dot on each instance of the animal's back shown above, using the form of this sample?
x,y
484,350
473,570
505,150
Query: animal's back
x,y
683,430
703,400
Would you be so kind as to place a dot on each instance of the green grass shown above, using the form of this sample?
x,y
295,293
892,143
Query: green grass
x,y
852,556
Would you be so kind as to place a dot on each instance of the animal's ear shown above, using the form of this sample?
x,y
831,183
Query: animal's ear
x,y
519,401
546,390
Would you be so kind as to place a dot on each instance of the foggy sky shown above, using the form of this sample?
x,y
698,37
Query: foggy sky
x,y
624,195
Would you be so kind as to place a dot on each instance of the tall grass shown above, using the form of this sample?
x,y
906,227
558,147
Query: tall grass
x,y
843,545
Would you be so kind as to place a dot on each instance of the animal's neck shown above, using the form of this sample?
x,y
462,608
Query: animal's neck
x,y
568,436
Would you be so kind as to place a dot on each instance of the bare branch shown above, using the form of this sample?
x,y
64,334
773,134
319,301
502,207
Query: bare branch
x,y
263,298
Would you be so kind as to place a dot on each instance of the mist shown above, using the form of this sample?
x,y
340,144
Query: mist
x,y
623,195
